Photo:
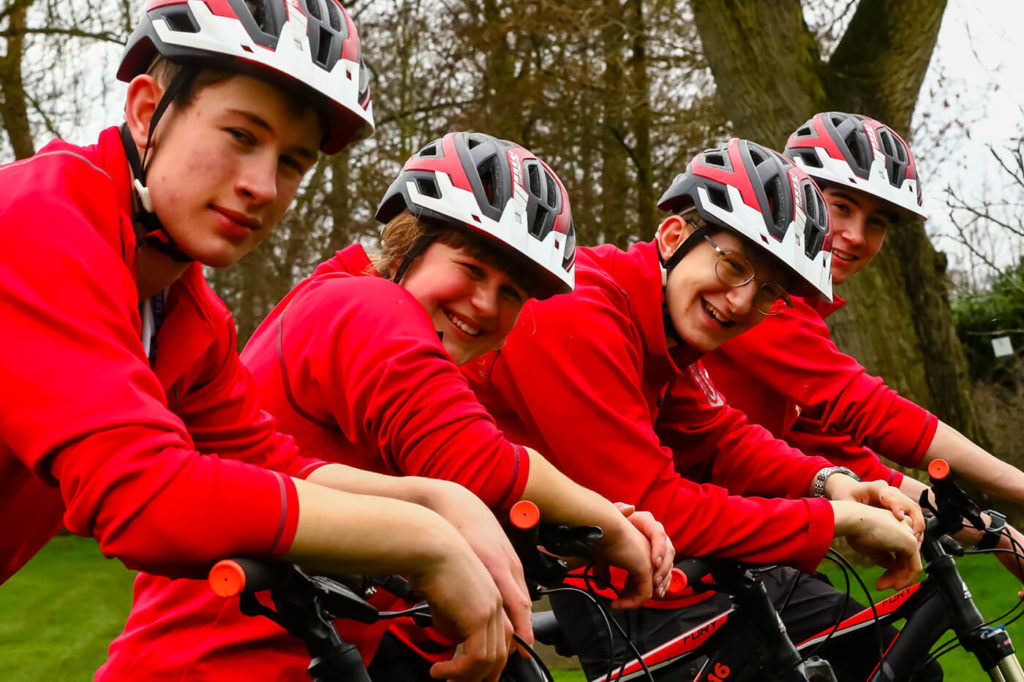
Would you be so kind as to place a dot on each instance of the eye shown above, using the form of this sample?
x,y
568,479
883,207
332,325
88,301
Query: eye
x,y
513,294
879,223
735,270
293,164
242,136
474,271
772,298
840,206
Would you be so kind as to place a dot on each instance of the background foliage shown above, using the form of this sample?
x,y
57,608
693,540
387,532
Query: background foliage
x,y
615,94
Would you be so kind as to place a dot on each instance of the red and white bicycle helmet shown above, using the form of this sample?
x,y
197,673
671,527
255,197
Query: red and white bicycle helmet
x,y
858,152
310,42
758,193
495,188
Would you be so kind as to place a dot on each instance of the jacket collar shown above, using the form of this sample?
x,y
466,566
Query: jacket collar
x,y
637,271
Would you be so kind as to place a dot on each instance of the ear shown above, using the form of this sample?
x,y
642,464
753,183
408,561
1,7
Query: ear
x,y
671,233
144,93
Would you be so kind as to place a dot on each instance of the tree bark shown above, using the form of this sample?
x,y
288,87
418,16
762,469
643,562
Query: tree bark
x,y
13,107
770,78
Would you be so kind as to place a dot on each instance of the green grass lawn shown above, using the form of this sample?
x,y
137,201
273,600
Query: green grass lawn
x,y
59,613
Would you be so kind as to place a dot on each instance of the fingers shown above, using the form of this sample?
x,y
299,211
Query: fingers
x,y
662,552
507,572
626,509
518,607
483,655
902,507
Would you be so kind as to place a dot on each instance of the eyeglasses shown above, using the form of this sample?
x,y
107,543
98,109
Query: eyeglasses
x,y
735,271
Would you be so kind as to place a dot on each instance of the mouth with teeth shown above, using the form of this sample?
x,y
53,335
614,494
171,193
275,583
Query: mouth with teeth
x,y
716,315
844,256
463,326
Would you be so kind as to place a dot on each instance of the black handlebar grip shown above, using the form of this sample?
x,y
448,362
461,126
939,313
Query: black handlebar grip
x,y
693,572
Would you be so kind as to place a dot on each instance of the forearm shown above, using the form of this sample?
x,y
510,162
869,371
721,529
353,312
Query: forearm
x,y
561,500
357,533
992,475
414,489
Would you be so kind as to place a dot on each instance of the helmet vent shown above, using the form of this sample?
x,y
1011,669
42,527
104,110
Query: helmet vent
x,y
719,198
428,187
773,188
472,142
534,176
808,157
858,151
538,228
716,159
430,151
334,15
313,7
803,131
323,52
182,22
490,177
258,12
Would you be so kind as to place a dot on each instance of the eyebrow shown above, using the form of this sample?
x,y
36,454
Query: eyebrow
x,y
892,216
258,121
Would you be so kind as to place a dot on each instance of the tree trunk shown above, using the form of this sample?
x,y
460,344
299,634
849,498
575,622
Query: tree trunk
x,y
770,78
13,108
641,124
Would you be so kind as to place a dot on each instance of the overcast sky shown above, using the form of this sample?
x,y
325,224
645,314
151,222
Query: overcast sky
x,y
978,68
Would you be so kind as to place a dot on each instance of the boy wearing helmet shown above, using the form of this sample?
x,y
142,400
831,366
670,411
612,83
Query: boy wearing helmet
x,y
126,413
583,378
353,366
789,376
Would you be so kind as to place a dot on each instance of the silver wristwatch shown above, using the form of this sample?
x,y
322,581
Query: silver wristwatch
x,y
818,484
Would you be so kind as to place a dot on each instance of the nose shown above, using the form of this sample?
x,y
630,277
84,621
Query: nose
x,y
853,229
257,179
485,299
741,298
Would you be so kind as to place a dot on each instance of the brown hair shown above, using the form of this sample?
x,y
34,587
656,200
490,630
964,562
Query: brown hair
x,y
401,233
164,71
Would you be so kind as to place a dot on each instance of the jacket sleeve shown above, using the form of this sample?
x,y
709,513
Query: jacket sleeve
x,y
81,407
714,441
360,353
221,411
577,386
838,448
794,354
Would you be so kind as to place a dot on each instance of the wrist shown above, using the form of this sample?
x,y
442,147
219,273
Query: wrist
x,y
823,485
847,516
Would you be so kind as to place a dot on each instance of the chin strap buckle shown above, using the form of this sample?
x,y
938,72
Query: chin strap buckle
x,y
143,192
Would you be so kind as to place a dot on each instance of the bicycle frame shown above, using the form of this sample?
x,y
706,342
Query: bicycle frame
x,y
745,641
939,603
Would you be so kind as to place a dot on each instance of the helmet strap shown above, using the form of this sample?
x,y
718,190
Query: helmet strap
x,y
414,252
148,228
684,248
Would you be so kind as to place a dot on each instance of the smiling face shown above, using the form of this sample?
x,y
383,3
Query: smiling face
x,y
473,304
858,223
704,310
223,169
